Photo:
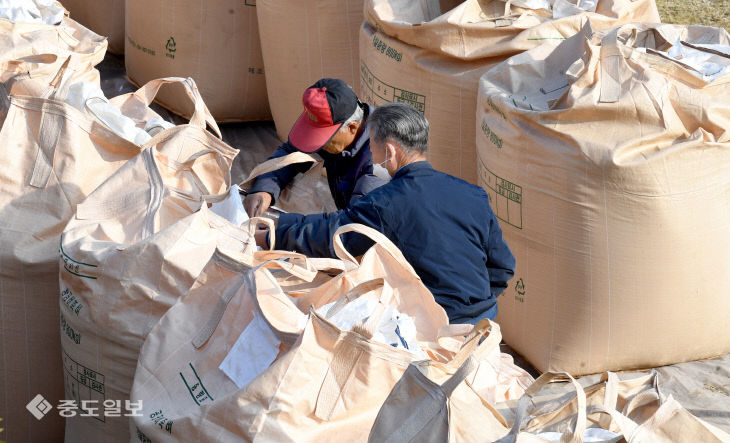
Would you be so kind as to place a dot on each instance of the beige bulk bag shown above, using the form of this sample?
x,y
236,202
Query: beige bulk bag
x,y
332,382
31,56
105,17
414,52
196,335
199,333
67,38
303,41
630,409
214,42
39,76
610,180
135,245
308,192
53,156
438,402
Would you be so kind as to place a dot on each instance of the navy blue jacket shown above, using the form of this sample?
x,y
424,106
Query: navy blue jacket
x,y
443,225
349,173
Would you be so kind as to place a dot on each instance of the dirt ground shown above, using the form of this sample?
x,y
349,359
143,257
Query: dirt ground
x,y
696,12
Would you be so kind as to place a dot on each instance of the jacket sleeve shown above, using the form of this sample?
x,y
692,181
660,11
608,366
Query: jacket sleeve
x,y
365,184
500,261
274,181
312,234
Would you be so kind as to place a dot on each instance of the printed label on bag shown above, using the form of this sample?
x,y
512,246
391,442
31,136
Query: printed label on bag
x,y
495,108
83,384
195,386
69,332
504,196
389,51
160,420
374,89
140,47
76,267
491,136
71,301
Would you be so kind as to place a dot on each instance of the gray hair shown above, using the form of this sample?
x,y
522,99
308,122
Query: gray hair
x,y
356,116
400,123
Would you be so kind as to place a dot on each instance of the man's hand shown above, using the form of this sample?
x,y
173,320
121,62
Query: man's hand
x,y
257,203
262,238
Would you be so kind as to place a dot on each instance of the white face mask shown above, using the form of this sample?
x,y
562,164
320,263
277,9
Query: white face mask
x,y
380,171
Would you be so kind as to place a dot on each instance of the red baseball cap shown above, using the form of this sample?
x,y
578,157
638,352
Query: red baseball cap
x,y
327,105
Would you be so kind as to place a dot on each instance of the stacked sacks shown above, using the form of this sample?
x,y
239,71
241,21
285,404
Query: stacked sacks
x,y
133,248
631,409
216,43
263,311
204,369
303,41
412,53
610,179
37,191
105,17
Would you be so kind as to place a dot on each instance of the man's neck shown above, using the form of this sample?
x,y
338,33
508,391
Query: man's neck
x,y
413,158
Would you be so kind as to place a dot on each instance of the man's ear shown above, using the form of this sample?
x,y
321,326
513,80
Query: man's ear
x,y
390,150
353,127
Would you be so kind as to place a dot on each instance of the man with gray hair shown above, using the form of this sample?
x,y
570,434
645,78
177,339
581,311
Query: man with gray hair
x,y
333,124
443,225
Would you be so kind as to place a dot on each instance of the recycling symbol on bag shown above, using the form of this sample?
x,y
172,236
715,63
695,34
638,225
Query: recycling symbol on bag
x,y
171,47
520,287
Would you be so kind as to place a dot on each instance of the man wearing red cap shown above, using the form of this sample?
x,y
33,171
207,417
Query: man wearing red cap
x,y
333,125
444,226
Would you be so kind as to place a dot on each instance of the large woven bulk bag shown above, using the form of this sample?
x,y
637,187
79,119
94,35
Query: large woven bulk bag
x,y
214,324
414,53
53,156
105,17
196,335
610,179
216,42
32,55
303,41
67,38
136,245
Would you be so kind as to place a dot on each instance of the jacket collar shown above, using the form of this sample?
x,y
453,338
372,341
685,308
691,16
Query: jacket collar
x,y
412,167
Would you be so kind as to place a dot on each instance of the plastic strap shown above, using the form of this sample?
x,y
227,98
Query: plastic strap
x,y
202,337
48,135
358,291
274,164
483,328
201,115
345,354
221,160
573,436
375,236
